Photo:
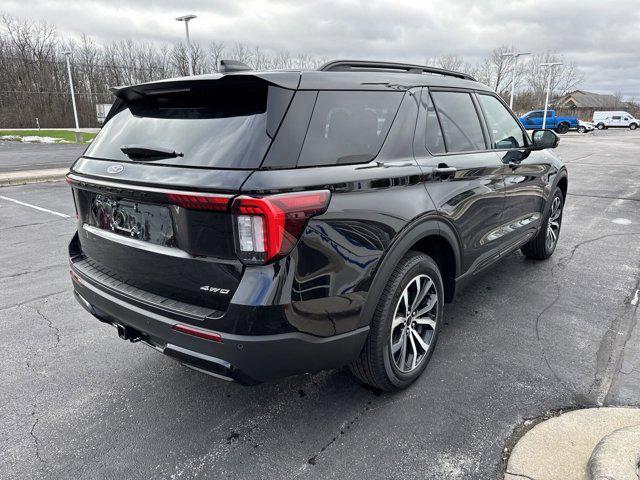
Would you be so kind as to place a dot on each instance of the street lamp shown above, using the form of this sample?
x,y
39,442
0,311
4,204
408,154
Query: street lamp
x,y
185,19
550,66
515,56
67,54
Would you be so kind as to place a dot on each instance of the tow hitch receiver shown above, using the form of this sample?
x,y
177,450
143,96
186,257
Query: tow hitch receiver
x,y
127,333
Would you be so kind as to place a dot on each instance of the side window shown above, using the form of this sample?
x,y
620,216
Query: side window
x,y
535,115
348,126
505,131
459,120
434,138
616,117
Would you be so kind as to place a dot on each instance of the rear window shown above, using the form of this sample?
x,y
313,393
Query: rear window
x,y
348,127
219,124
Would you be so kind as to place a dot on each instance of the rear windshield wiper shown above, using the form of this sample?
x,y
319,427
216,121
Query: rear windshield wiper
x,y
140,152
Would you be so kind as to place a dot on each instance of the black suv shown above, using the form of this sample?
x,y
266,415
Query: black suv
x,y
254,225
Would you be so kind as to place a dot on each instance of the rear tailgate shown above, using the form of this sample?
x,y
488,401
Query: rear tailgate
x,y
160,225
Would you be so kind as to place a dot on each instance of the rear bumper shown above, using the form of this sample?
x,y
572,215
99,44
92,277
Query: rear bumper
x,y
247,359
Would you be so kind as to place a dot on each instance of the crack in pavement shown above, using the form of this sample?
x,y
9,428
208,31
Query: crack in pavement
x,y
612,347
26,272
34,436
56,335
603,196
26,302
578,158
56,330
22,225
633,370
519,475
344,426
562,263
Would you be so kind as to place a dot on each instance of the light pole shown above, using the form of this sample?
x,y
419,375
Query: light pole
x,y
67,54
515,56
185,19
550,66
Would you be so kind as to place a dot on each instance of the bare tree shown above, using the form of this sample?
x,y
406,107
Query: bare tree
x,y
216,53
564,77
241,53
34,83
448,62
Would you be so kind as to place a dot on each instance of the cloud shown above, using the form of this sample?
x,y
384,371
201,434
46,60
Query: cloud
x,y
602,38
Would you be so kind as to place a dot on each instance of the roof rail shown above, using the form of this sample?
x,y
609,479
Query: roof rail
x,y
355,65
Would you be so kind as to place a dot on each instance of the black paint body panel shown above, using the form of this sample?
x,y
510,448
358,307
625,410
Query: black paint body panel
x,y
330,283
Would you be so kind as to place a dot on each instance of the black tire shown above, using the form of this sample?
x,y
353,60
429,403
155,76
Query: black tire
x,y
375,365
562,128
633,126
538,248
600,126
582,129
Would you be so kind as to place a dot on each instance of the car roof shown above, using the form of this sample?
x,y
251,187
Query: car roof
x,y
374,80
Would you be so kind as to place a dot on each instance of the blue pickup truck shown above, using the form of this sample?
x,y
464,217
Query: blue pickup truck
x,y
533,119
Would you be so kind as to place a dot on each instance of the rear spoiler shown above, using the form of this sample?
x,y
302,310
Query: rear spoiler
x,y
288,80
124,94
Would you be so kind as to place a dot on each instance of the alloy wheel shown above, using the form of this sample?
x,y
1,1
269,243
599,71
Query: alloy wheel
x,y
553,225
414,323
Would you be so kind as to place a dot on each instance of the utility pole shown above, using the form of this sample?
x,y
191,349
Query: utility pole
x,y
67,54
185,19
550,66
515,56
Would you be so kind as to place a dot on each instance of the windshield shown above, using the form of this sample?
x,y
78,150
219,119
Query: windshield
x,y
223,124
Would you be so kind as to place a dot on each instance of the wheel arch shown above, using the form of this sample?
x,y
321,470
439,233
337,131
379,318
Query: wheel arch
x,y
432,236
563,184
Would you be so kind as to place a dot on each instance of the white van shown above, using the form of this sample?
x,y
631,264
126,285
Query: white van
x,y
604,120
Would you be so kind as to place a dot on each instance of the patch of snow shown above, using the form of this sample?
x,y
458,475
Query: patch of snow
x,y
33,139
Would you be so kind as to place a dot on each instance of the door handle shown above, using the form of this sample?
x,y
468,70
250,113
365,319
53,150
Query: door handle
x,y
444,171
389,164
394,164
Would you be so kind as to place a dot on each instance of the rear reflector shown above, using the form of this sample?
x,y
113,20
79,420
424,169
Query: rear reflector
x,y
198,332
268,227
200,201
74,276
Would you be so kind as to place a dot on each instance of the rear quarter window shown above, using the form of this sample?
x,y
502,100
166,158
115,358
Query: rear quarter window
x,y
348,127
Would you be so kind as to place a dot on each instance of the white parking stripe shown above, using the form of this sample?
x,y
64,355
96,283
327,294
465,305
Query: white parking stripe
x,y
35,207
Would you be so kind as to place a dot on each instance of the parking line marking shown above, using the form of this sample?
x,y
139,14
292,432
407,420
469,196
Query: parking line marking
x,y
63,215
634,300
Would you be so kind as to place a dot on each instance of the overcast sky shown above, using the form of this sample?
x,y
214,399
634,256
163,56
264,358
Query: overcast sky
x,y
602,37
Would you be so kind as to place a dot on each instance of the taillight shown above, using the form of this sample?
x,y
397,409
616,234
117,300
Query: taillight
x,y
200,201
268,227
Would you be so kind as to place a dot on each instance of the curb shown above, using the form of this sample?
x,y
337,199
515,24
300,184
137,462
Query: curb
x,y
32,176
565,447
617,456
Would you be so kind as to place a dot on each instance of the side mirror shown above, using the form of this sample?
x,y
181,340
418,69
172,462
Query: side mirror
x,y
542,139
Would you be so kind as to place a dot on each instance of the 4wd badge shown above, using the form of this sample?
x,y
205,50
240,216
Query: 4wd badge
x,y
221,291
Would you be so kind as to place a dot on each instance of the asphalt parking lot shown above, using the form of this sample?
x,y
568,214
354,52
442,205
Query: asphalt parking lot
x,y
17,156
528,337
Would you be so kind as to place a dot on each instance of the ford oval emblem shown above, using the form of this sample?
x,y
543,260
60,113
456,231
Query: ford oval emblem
x,y
115,168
